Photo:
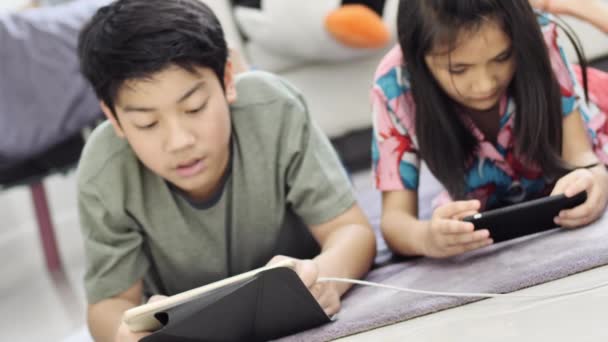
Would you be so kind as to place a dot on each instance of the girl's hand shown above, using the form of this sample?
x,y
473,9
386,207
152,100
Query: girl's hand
x,y
595,183
447,235
325,293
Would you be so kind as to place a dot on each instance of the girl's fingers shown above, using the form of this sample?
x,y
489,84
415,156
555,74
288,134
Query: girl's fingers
x,y
579,185
455,250
467,238
560,186
582,211
575,222
591,205
465,214
455,208
455,227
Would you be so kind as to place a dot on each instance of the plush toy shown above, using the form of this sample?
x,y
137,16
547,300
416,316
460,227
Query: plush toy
x,y
284,33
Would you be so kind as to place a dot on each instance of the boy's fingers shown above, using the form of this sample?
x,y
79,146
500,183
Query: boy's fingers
x,y
316,291
276,259
156,298
326,298
307,271
140,335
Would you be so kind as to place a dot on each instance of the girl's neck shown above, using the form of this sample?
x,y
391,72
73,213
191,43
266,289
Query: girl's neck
x,y
478,113
487,121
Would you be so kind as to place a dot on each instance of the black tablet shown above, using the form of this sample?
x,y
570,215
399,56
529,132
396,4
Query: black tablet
x,y
524,218
259,305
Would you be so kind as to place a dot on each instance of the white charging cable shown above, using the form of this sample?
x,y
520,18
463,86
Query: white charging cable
x,y
461,294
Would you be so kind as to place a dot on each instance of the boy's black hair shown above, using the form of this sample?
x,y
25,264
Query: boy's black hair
x,y
134,39
445,144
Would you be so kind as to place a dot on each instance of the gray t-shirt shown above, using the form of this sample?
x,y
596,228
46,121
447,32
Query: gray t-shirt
x,y
284,176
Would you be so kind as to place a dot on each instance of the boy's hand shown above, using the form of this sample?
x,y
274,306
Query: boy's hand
x,y
554,6
124,334
325,293
576,181
447,235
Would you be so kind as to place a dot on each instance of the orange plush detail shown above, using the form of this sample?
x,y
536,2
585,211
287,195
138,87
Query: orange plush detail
x,y
357,26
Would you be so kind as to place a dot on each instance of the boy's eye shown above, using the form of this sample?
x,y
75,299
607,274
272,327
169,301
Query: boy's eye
x,y
148,126
196,110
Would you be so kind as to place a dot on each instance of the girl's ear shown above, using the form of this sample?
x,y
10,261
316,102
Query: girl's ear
x,y
113,119
230,88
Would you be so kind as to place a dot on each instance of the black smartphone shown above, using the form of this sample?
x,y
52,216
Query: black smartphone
x,y
524,218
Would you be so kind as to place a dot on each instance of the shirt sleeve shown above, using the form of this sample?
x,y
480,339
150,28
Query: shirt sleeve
x,y
395,157
318,187
571,91
113,248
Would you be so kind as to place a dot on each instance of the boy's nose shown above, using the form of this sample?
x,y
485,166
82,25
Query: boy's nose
x,y
179,138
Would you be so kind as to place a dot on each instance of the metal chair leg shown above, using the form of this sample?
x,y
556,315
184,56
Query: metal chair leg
x,y
45,226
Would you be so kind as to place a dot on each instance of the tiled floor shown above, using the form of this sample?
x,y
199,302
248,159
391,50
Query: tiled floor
x,y
33,307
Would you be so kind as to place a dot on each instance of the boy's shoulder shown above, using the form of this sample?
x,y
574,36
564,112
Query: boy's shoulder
x,y
103,150
266,98
260,87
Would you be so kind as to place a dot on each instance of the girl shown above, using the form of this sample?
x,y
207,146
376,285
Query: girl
x,y
484,96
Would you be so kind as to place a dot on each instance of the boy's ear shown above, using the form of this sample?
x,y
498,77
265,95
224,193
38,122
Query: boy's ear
x,y
113,119
229,83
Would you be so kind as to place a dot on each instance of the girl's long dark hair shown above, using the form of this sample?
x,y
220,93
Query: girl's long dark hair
x,y
445,144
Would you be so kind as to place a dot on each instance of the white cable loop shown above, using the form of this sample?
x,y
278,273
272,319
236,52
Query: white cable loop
x,y
461,294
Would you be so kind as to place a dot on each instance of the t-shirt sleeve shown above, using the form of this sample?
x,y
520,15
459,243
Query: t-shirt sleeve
x,y
113,247
395,157
318,188
571,91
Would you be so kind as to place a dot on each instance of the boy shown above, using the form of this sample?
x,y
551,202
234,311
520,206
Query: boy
x,y
593,11
197,175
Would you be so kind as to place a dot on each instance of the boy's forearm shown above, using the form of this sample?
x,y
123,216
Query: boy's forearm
x,y
105,317
404,233
348,253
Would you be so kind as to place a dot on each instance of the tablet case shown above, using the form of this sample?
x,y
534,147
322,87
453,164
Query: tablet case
x,y
271,304
524,218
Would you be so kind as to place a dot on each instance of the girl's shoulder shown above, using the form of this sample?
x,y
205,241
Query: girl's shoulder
x,y
392,60
391,77
544,19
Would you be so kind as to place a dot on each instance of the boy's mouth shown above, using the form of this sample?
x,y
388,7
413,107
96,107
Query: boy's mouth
x,y
190,168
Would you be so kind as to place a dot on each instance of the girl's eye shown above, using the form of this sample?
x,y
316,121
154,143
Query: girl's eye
x,y
458,71
196,110
504,57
